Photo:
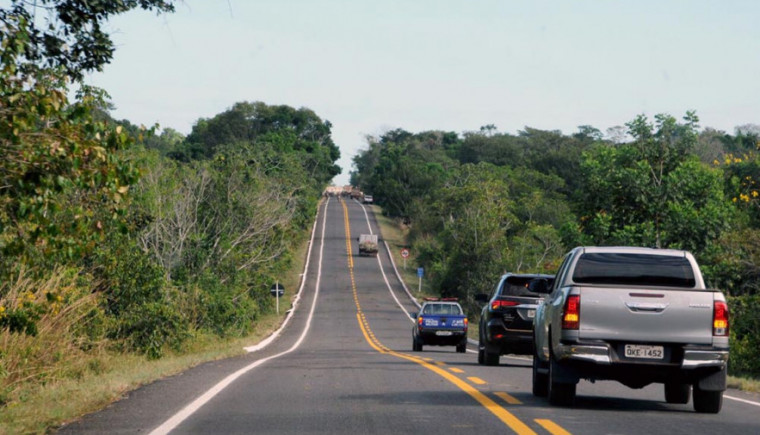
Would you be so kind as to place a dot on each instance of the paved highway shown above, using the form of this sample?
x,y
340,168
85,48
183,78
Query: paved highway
x,y
343,364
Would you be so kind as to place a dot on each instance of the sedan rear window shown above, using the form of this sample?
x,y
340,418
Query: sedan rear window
x,y
634,269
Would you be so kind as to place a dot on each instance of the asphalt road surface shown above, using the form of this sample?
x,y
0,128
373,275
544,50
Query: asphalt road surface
x,y
344,364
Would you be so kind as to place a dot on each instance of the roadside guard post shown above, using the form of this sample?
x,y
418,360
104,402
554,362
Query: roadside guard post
x,y
277,290
420,273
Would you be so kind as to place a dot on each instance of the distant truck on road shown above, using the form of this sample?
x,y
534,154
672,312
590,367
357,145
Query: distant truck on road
x,y
633,315
356,194
368,244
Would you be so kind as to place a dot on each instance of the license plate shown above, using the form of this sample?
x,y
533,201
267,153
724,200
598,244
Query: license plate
x,y
531,314
644,351
443,333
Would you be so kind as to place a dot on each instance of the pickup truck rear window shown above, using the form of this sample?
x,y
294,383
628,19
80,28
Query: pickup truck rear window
x,y
634,269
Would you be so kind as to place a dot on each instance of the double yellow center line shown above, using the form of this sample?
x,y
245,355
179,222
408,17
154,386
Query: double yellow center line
x,y
505,416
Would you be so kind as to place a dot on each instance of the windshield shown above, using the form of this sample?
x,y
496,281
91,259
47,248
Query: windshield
x,y
634,269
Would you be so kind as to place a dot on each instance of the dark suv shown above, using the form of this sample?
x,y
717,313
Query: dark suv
x,y
506,322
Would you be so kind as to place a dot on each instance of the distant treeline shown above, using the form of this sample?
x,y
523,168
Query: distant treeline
x,y
485,203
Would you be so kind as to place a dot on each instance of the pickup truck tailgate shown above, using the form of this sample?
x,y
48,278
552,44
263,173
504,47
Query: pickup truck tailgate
x,y
646,315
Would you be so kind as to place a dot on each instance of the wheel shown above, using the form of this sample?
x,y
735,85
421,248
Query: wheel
x,y
708,402
677,393
481,349
560,394
416,345
540,380
462,348
490,359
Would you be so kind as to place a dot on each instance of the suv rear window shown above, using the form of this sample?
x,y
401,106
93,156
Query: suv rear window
x,y
517,286
634,269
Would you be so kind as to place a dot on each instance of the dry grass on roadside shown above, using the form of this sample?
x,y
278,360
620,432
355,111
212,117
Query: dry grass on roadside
x,y
744,384
67,382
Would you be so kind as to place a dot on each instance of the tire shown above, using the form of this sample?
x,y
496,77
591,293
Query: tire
x,y
707,402
560,394
540,380
490,359
462,348
481,349
677,393
416,346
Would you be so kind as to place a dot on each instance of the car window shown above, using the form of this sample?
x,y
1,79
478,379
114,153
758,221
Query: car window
x,y
561,272
518,286
634,269
442,309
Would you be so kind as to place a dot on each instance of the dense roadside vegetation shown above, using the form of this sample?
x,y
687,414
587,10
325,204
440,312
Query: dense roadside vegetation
x,y
120,243
485,203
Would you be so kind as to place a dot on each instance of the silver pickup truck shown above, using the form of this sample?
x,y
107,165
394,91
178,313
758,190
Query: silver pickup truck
x,y
634,315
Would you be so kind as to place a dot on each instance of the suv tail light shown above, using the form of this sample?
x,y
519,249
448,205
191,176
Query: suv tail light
x,y
720,319
571,318
495,305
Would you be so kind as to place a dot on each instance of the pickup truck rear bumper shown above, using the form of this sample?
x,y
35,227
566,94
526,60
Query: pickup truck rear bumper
x,y
698,365
603,353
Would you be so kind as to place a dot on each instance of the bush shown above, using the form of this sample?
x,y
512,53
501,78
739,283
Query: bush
x,y
152,326
745,335
223,308
144,311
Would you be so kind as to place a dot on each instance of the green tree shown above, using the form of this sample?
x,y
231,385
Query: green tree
x,y
63,180
652,192
283,128
400,169
72,37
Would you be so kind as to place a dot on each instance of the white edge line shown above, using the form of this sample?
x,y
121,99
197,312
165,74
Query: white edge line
x,y
380,263
742,400
393,263
401,280
264,343
196,404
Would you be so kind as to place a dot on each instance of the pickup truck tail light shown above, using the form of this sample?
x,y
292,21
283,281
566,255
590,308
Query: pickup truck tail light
x,y
571,317
495,305
466,324
720,319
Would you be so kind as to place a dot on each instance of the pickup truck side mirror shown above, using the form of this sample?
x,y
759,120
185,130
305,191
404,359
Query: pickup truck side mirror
x,y
413,314
481,297
539,285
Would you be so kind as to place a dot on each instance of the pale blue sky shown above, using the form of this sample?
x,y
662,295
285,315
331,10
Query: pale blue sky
x,y
371,66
